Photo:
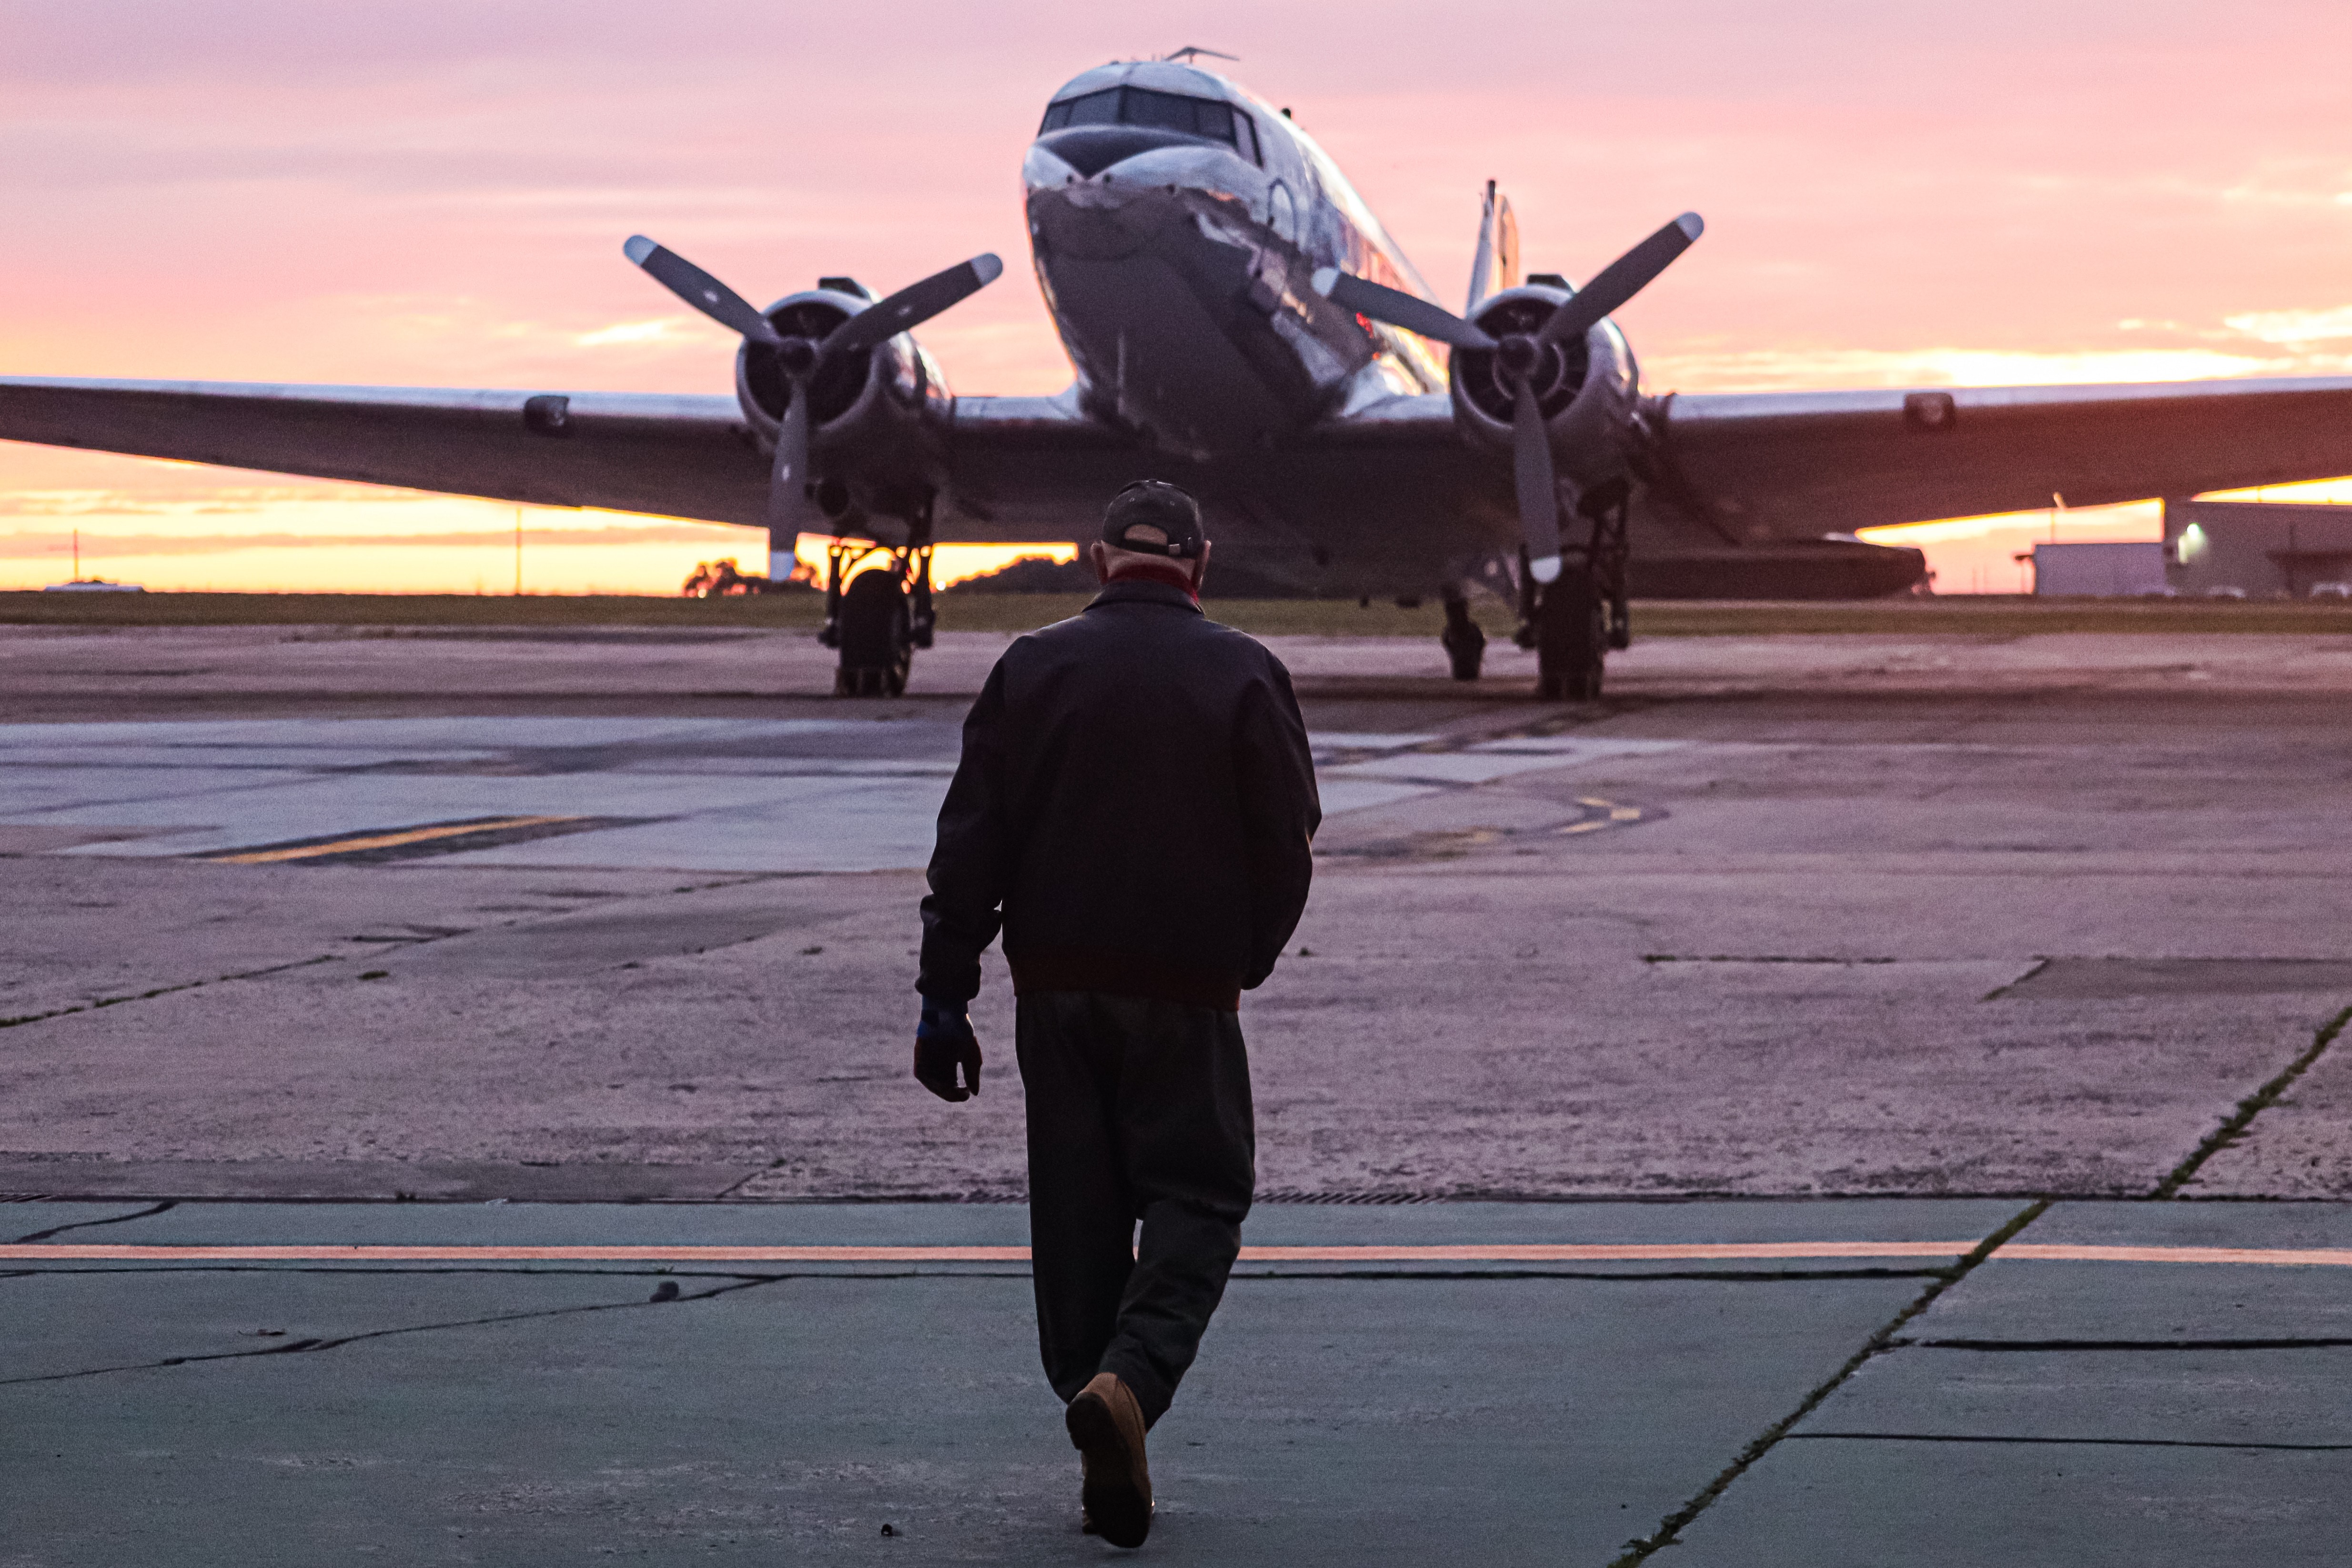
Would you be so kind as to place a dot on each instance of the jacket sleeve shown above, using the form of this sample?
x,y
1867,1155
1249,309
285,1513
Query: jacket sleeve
x,y
969,868
1280,812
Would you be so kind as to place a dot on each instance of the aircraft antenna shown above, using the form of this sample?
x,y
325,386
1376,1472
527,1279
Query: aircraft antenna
x,y
1189,51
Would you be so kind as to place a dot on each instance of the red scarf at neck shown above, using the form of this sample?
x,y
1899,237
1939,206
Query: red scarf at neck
x,y
1165,572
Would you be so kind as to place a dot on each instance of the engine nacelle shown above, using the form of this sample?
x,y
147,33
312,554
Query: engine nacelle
x,y
875,421
1586,389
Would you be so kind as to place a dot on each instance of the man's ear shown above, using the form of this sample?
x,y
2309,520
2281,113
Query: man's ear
x,y
1200,565
1100,554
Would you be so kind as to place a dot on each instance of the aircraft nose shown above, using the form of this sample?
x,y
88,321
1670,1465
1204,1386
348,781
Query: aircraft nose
x,y
1090,148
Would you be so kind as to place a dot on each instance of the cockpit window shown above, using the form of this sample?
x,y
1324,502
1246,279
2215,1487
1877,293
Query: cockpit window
x,y
1159,110
1095,108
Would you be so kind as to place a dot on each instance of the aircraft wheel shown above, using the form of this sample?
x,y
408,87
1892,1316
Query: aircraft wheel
x,y
1463,640
877,645
1571,638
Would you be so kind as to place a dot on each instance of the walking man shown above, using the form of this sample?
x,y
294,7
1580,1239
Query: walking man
x,y
1134,808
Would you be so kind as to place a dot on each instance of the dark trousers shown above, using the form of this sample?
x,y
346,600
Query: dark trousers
x,y
1139,1109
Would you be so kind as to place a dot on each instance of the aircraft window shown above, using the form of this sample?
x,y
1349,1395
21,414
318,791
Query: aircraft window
x,y
1160,111
1094,109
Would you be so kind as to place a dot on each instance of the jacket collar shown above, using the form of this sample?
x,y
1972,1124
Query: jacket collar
x,y
1143,591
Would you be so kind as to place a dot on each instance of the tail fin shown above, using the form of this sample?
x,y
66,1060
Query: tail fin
x,y
1497,264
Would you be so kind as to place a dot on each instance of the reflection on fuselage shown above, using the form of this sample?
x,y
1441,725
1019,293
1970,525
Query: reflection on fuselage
x,y
1175,222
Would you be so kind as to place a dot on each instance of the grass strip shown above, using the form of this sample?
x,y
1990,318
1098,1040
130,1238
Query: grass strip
x,y
1980,616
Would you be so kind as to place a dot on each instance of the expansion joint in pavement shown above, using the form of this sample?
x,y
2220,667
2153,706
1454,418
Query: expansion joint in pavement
x,y
2005,1346
148,1213
2062,1442
164,991
312,1346
437,934
2254,1105
1641,1547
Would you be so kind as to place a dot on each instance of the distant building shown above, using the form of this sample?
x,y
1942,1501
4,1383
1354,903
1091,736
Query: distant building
x,y
2103,570
2262,550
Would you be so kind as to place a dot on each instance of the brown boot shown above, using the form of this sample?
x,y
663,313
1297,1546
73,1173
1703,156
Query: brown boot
x,y
1106,1427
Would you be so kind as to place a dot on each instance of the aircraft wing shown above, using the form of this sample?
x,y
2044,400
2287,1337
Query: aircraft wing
x,y
671,456
1797,465
1014,462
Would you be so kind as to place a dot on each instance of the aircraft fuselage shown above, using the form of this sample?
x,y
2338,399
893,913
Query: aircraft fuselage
x,y
1176,222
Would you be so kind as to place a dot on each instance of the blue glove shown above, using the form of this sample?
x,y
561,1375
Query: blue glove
x,y
943,1042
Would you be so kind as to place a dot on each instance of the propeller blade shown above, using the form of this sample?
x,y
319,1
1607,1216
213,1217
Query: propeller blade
x,y
1538,491
788,482
699,288
1622,279
1398,310
911,305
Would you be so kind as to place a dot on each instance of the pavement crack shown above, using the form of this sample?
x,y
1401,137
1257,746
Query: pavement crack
x,y
1642,1547
1759,958
164,991
315,1345
730,1189
1997,992
2064,1442
148,1213
2254,1105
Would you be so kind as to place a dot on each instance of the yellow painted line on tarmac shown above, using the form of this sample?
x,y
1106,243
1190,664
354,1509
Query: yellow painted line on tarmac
x,y
1502,1252
1482,1253
1618,815
2277,1256
1606,1252
384,840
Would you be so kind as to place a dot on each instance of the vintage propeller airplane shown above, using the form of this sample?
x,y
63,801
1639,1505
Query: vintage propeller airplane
x,y
1240,324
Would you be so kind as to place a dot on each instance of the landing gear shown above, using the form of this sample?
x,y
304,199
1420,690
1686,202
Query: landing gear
x,y
877,619
1573,621
1463,640
878,644
1572,636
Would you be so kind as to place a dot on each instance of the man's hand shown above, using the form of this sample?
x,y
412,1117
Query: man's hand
x,y
944,1041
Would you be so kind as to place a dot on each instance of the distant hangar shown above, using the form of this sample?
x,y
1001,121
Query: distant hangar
x,y
2212,549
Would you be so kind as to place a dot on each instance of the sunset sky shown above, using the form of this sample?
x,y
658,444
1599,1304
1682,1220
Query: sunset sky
x,y
435,194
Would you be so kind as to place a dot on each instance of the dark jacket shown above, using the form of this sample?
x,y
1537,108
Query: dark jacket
x,y
1134,807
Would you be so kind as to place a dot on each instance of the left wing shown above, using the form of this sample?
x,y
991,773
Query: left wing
x,y
672,455
1013,463
1798,465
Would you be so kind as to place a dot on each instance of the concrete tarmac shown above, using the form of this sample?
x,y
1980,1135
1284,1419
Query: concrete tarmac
x,y
1836,940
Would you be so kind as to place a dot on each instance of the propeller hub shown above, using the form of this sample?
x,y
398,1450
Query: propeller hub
x,y
796,357
1518,355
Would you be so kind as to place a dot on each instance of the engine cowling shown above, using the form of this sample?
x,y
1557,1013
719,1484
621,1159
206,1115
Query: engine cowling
x,y
1587,388
875,420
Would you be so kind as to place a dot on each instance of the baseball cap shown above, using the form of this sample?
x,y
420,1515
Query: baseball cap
x,y
1165,509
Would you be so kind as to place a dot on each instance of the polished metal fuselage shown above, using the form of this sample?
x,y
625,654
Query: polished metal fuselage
x,y
1177,271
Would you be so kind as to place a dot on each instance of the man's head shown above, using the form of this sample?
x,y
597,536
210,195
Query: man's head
x,y
1152,529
